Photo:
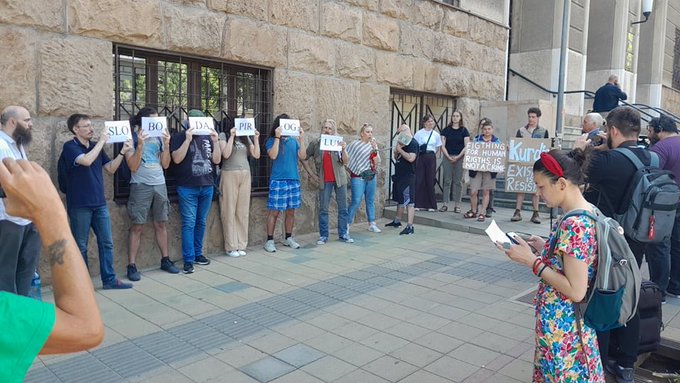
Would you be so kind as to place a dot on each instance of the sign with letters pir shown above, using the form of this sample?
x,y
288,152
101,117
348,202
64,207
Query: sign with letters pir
x,y
485,157
522,153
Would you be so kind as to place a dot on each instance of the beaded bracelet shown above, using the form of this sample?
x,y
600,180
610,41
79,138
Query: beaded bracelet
x,y
534,267
542,269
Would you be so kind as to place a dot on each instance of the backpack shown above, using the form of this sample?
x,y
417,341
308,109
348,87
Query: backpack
x,y
62,173
653,195
612,297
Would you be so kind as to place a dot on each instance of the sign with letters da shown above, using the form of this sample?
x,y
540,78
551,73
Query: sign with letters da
x,y
290,127
118,131
331,143
522,153
154,126
485,157
203,126
244,126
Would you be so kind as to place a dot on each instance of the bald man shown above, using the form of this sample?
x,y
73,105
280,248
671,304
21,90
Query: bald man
x,y
608,95
20,248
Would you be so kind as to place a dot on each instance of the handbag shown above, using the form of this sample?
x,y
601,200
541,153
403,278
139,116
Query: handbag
x,y
367,175
423,147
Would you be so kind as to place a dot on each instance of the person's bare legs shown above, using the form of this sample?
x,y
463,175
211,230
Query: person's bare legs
x,y
400,212
473,201
271,221
517,216
134,240
161,231
290,221
485,200
410,213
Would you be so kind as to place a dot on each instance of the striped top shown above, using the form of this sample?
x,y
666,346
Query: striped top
x,y
359,156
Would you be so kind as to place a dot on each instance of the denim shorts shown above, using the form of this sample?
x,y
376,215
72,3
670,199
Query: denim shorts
x,y
283,195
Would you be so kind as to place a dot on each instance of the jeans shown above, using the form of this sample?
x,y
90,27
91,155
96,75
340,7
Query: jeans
x,y
81,219
366,189
674,282
19,255
194,205
325,201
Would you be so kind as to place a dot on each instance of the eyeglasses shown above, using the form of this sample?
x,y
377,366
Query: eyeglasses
x,y
84,126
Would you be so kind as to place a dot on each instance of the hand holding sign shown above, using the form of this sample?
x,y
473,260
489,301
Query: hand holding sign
x,y
202,126
330,143
154,126
118,131
290,127
244,126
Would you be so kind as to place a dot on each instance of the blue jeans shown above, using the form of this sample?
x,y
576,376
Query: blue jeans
x,y
81,219
194,205
361,188
664,261
325,201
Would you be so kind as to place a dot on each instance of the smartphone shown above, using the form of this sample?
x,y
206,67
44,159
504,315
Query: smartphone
x,y
511,235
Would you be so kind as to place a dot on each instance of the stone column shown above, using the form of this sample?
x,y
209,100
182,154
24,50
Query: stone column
x,y
651,53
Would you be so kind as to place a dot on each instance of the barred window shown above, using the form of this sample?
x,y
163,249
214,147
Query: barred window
x,y
676,60
174,84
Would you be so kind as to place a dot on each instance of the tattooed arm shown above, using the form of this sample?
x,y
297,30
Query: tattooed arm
x,y
30,194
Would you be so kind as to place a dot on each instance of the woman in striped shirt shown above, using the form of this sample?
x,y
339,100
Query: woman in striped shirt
x,y
363,161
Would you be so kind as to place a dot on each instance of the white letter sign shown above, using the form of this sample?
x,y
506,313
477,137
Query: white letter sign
x,y
118,131
154,126
203,126
244,126
290,127
331,143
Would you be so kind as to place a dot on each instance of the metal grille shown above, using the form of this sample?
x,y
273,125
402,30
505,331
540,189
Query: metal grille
x,y
676,60
175,84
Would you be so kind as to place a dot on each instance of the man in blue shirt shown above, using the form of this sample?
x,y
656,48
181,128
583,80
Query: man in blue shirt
x,y
608,95
85,200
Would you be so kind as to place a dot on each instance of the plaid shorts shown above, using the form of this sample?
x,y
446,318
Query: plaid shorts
x,y
283,195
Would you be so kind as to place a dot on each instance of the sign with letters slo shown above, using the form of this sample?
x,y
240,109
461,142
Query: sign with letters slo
x,y
484,157
331,143
244,126
118,131
290,127
522,153
203,126
154,126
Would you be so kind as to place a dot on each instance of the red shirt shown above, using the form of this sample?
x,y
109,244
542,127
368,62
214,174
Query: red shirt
x,y
328,175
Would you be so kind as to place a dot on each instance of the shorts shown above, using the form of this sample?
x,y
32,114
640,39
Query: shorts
x,y
144,198
403,191
283,195
483,181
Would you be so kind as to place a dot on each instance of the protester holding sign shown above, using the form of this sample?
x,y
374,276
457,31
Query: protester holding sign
x,y
235,183
454,139
484,180
148,193
284,182
85,200
195,157
404,179
363,162
330,175
426,164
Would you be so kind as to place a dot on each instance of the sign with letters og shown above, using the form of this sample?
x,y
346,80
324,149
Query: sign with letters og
x,y
522,153
118,131
203,126
154,126
485,157
290,127
331,143
244,126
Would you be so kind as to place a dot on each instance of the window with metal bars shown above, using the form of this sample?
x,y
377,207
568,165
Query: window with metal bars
x,y
676,61
175,84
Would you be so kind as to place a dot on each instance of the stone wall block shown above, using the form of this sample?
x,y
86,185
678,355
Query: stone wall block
x,y
473,55
339,21
339,100
375,109
380,32
470,109
18,69
394,69
371,5
482,31
254,9
294,94
427,14
494,61
39,14
300,14
431,82
253,42
311,53
398,9
136,22
454,81
448,49
42,148
355,61
75,76
193,30
456,23
416,41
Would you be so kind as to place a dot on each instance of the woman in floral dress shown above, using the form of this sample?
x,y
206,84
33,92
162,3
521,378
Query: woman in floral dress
x,y
565,350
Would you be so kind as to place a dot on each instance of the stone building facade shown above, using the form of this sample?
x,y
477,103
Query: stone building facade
x,y
344,60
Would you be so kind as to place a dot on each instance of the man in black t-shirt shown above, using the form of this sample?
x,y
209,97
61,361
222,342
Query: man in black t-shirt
x,y
404,178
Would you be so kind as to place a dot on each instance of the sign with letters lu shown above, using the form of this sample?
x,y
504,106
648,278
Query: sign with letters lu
x,y
244,126
522,153
118,131
331,143
290,127
203,126
154,126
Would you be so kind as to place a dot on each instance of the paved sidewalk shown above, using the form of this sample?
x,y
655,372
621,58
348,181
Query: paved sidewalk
x,y
437,306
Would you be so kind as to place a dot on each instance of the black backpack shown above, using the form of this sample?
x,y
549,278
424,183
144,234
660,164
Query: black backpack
x,y
62,173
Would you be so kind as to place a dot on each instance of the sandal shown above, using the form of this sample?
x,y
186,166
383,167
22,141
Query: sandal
x,y
443,208
456,209
480,218
470,214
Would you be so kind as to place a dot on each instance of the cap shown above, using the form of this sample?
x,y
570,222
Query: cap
x,y
196,113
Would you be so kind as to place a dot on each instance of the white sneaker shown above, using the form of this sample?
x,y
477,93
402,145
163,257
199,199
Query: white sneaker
x,y
233,254
290,242
322,240
241,253
347,239
374,228
269,246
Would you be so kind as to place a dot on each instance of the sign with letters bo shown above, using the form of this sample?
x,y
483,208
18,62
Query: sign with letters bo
x,y
118,131
331,143
203,126
522,153
244,126
485,157
154,126
290,127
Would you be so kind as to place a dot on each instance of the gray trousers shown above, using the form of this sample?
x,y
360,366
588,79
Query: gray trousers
x,y
19,254
453,176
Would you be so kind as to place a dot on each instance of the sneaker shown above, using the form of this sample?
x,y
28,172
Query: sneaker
x,y
489,213
322,240
408,230
242,253
673,294
393,224
233,254
188,268
535,218
117,285
374,228
346,238
132,273
622,374
290,242
201,260
169,266
517,216
269,246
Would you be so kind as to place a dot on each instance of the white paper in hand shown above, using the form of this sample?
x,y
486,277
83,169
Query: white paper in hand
x,y
118,131
496,234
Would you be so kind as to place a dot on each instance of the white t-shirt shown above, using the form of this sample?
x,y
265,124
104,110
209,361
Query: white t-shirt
x,y
433,142
9,148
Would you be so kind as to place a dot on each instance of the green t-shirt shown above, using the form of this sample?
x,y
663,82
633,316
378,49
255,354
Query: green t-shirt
x,y
25,324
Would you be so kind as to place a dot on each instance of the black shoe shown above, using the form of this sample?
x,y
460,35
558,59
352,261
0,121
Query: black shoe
x,y
393,224
188,268
117,284
132,273
407,230
489,213
169,266
622,374
201,260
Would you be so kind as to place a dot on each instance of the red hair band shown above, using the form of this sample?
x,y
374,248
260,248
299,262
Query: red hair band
x,y
551,164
